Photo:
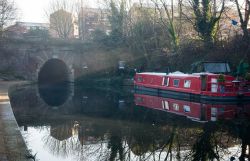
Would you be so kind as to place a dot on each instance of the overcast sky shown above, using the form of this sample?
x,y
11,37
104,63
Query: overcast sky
x,y
34,10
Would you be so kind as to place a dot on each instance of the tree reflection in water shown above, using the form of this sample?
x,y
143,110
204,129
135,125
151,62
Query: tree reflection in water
x,y
115,146
242,130
139,142
88,130
205,147
59,139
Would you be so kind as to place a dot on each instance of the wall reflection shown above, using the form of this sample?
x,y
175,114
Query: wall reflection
x,y
108,125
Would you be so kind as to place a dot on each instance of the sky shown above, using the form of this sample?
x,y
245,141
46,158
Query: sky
x,y
35,10
32,10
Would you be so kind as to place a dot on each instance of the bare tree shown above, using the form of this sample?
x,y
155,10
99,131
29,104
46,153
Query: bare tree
x,y
167,13
244,19
117,19
80,15
207,16
7,13
61,19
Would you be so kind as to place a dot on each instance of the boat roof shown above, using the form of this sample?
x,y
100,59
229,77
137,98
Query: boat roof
x,y
177,73
153,73
180,74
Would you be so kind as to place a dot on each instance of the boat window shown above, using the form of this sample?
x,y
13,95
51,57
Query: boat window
x,y
166,81
139,99
176,82
187,83
186,108
214,85
217,67
175,107
139,79
165,105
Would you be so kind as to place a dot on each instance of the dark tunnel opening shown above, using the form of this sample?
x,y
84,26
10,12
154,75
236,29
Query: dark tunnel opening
x,y
53,71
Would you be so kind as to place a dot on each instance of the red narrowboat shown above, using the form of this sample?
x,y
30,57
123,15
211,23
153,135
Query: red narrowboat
x,y
213,84
200,112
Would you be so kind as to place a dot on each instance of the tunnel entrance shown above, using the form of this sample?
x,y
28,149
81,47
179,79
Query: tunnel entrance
x,y
53,71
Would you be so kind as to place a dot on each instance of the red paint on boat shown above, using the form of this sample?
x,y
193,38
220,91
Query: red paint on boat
x,y
203,84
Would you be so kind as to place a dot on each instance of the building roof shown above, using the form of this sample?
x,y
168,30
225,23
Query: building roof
x,y
60,11
32,24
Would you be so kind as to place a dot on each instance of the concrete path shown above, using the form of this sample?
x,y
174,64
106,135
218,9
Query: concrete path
x,y
12,145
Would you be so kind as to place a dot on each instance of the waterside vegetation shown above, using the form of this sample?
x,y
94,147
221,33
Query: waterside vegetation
x,y
162,35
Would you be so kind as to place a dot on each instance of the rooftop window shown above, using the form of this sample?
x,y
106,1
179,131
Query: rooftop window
x,y
217,67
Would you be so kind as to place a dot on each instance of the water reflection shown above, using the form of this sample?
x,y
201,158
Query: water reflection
x,y
195,111
56,94
118,125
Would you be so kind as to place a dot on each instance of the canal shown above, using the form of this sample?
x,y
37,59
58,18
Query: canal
x,y
67,123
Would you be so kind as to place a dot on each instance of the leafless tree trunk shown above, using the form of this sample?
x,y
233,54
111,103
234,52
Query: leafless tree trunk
x,y
207,15
7,13
79,8
168,19
61,19
244,19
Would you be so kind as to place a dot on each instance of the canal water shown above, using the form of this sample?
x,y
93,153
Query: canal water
x,y
67,123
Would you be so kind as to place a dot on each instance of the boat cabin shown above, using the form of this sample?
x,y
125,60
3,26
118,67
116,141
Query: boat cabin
x,y
194,83
210,82
211,67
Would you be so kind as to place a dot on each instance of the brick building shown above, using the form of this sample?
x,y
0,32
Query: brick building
x,y
91,19
62,25
20,29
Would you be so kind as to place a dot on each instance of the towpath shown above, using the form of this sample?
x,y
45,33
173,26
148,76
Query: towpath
x,y
12,145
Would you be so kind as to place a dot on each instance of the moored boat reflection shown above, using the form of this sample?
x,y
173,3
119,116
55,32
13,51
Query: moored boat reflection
x,y
195,111
236,120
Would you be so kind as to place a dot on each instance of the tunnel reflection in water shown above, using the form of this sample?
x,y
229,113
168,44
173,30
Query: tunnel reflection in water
x,y
53,71
55,94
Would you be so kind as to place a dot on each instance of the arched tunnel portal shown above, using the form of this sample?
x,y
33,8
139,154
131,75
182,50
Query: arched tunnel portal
x,y
54,71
